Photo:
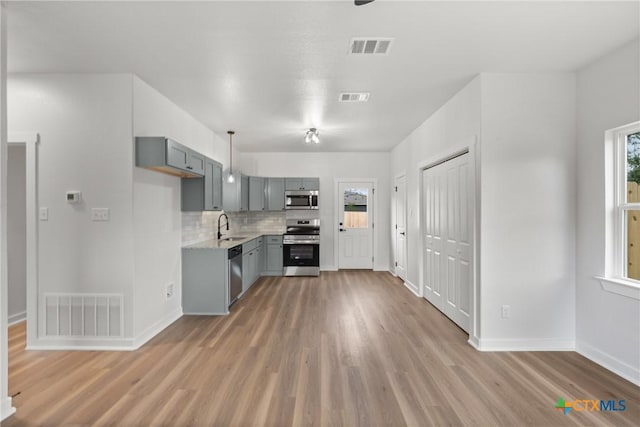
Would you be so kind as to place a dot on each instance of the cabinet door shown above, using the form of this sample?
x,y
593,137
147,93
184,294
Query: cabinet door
x,y
215,186
256,193
311,183
244,193
293,183
274,258
196,162
247,270
177,155
259,262
275,194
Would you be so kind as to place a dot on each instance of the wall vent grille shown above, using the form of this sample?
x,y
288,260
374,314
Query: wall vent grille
x,y
354,97
370,46
83,315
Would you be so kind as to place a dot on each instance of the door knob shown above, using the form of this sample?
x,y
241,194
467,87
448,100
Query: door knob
x,y
343,229
402,233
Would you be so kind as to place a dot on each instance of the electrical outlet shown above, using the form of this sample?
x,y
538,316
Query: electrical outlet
x,y
44,214
505,311
99,214
169,291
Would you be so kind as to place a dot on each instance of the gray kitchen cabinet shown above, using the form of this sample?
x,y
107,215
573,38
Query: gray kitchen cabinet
x,y
248,270
273,265
302,183
205,287
252,262
244,193
256,193
235,195
275,194
293,183
311,183
168,156
203,194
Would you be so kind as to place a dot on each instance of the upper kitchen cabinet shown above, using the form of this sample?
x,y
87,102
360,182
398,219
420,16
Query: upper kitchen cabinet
x,y
256,193
275,194
235,195
302,183
204,194
168,156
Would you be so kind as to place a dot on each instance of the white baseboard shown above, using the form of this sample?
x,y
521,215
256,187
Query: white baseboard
x,y
82,344
413,288
106,344
474,342
328,268
156,328
6,408
17,318
618,367
533,344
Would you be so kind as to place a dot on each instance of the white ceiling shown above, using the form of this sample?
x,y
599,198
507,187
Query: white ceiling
x,y
269,70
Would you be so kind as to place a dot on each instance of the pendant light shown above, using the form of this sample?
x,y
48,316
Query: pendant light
x,y
230,178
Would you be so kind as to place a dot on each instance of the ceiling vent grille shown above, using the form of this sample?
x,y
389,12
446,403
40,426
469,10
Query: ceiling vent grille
x,y
370,46
354,97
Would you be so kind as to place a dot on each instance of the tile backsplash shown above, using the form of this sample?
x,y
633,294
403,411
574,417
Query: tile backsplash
x,y
201,226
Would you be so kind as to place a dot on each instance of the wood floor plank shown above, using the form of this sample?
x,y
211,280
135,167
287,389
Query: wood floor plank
x,y
348,348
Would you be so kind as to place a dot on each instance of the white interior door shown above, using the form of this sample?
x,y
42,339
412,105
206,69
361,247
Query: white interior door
x,y
447,225
401,227
355,225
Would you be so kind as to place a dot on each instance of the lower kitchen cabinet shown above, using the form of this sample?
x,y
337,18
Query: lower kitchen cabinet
x,y
273,256
205,287
252,262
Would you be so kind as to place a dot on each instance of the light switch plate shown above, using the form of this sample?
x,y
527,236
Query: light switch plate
x,y
44,214
99,214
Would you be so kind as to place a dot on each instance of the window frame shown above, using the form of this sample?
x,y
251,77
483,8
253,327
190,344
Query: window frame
x,y
615,278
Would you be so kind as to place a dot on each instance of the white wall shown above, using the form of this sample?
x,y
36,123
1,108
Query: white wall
x,y
84,121
17,232
528,210
156,207
5,401
526,177
87,124
607,324
329,166
453,125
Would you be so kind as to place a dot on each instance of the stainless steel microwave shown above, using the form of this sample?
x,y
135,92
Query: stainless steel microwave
x,y
301,199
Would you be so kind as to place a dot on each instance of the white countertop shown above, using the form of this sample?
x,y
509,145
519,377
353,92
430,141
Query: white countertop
x,y
226,244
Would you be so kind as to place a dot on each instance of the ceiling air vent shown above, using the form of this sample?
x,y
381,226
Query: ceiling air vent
x,y
370,46
354,97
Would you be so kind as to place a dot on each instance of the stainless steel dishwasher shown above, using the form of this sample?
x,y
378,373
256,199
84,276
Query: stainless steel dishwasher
x,y
235,273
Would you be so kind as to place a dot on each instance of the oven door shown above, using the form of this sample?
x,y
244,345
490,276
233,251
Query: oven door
x,y
301,255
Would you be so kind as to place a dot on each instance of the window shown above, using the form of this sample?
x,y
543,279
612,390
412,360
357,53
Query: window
x,y
629,205
622,273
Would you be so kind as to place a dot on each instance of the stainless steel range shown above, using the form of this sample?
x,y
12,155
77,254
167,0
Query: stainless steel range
x,y
301,247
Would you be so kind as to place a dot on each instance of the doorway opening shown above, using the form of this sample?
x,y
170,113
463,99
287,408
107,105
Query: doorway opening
x,y
16,233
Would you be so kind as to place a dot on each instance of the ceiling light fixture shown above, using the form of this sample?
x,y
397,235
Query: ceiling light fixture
x,y
312,135
230,178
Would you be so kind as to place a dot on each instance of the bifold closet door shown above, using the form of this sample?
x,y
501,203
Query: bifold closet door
x,y
447,236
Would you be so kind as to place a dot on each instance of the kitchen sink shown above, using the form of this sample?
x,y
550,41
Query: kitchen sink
x,y
234,238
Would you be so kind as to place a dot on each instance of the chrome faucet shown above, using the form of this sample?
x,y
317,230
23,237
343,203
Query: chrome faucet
x,y
225,215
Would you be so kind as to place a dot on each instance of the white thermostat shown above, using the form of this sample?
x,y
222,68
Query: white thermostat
x,y
74,196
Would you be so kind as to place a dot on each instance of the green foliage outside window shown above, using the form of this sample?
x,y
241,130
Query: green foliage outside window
x,y
633,157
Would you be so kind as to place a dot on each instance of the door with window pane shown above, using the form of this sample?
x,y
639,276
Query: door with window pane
x,y
355,225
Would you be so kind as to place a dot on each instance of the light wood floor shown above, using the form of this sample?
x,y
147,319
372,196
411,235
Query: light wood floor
x,y
348,348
